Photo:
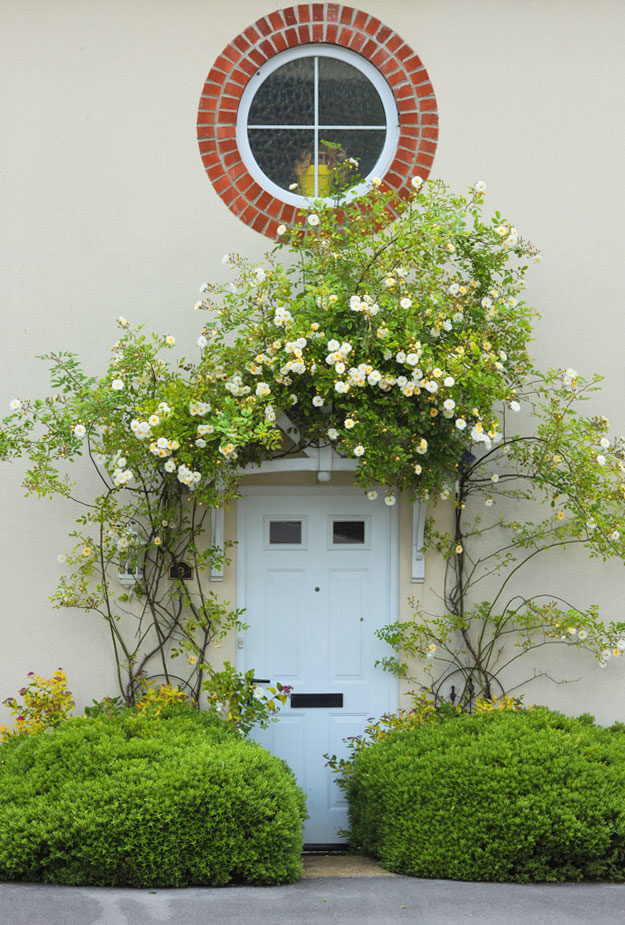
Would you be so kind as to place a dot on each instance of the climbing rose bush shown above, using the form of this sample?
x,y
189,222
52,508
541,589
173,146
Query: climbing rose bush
x,y
397,344
400,345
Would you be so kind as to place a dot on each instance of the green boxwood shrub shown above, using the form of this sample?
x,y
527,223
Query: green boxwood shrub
x,y
505,796
147,801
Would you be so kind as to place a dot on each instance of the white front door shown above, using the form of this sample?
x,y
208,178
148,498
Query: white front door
x,y
317,576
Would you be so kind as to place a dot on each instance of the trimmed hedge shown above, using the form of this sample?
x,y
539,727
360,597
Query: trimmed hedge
x,y
528,796
141,801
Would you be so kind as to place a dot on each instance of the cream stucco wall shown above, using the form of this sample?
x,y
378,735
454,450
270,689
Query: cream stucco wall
x,y
107,210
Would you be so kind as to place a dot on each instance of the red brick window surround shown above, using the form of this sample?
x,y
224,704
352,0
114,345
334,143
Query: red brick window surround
x,y
325,26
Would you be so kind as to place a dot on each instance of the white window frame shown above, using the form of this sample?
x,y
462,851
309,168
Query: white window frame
x,y
387,98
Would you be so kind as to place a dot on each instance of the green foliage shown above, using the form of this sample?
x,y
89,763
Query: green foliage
x,y
239,700
47,702
501,795
147,801
108,706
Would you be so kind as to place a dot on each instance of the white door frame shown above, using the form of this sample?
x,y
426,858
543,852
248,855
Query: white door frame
x,y
310,490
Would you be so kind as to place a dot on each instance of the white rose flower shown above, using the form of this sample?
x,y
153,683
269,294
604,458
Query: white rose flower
x,y
405,302
313,219
461,423
15,404
480,187
202,342
601,460
515,406
416,182
449,404
317,401
280,230
80,430
170,339
260,275
390,500
170,466
349,423
117,385
448,381
372,494
333,433
121,321
359,451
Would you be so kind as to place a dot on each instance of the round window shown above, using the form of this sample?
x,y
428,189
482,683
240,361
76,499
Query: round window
x,y
311,101
316,122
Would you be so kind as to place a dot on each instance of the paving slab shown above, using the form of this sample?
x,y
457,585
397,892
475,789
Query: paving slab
x,y
342,865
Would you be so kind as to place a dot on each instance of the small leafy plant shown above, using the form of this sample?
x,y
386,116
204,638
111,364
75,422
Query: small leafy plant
x,y
46,703
239,698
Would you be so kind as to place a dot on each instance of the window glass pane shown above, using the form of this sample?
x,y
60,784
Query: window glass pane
x,y
285,531
286,97
284,155
365,147
348,531
346,96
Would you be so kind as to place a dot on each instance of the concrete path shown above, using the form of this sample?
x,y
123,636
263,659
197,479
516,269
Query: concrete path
x,y
342,891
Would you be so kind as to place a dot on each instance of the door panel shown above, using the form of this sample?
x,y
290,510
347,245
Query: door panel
x,y
313,598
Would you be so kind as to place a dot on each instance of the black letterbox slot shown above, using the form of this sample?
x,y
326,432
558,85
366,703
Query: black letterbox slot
x,y
316,700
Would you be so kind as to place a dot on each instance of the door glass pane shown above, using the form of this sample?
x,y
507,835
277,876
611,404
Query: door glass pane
x,y
346,96
285,532
284,155
286,97
348,531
